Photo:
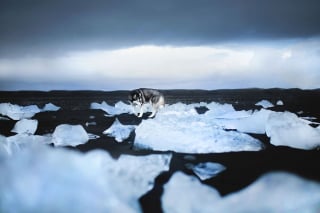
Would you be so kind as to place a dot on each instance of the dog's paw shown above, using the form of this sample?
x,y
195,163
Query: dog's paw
x,y
152,115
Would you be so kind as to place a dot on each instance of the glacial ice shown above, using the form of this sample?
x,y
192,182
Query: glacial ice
x,y
17,112
118,108
186,194
264,104
280,103
206,170
287,129
69,135
179,128
50,107
272,192
119,131
12,144
25,126
40,178
252,123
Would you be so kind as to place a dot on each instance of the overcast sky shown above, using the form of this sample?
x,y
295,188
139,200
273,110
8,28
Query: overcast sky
x,y
111,45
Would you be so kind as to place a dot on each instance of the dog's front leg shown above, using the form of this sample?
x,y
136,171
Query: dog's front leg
x,y
141,111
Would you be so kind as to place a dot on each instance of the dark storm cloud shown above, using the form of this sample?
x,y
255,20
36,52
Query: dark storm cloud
x,y
45,25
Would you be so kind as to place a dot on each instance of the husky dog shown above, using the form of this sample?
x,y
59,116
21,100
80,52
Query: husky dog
x,y
140,97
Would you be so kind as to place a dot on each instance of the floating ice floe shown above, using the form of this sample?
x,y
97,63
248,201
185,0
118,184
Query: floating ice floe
x,y
119,131
273,192
12,144
63,135
118,108
68,181
17,112
280,103
287,129
186,194
264,104
178,127
50,107
25,126
188,132
206,170
69,135
252,123
188,136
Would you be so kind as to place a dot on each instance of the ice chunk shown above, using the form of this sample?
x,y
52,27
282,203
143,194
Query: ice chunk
x,y
254,123
206,170
180,109
274,192
25,126
190,134
67,181
186,194
50,107
69,135
62,181
119,131
17,112
139,171
280,103
119,108
12,144
217,110
264,104
287,129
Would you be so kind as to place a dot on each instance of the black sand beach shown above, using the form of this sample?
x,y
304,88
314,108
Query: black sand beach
x,y
242,167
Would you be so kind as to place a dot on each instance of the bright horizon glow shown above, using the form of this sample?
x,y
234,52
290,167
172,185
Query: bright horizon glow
x,y
295,64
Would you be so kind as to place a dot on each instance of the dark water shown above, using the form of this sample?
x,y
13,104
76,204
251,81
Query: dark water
x,y
242,167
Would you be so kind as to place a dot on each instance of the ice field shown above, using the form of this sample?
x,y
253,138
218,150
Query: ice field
x,y
38,173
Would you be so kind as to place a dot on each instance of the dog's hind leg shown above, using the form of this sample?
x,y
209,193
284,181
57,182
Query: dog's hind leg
x,y
154,111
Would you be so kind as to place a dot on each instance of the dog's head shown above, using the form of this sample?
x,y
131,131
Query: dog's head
x,y
135,98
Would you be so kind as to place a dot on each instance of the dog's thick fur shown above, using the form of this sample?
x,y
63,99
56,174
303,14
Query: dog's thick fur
x,y
142,96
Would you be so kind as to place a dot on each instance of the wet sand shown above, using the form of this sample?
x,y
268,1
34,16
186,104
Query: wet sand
x,y
242,167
